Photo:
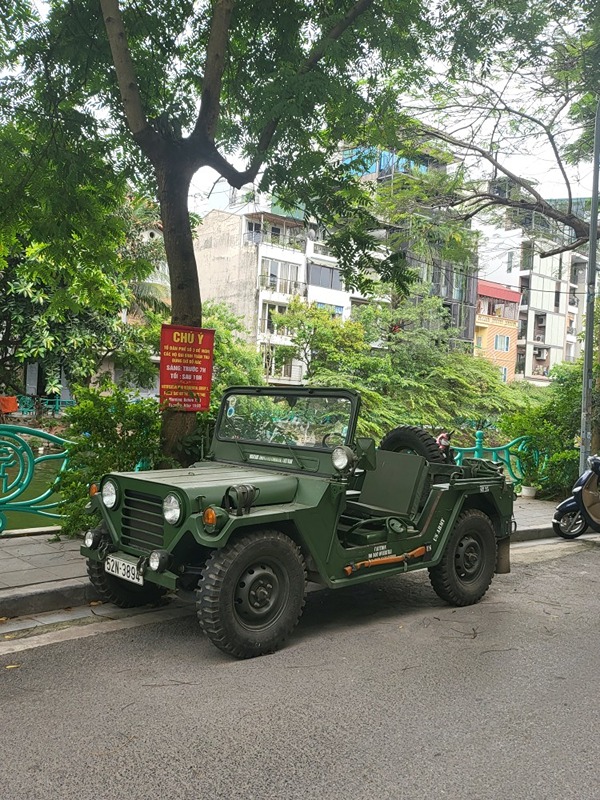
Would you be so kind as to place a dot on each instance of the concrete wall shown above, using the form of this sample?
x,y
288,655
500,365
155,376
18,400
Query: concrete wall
x,y
227,268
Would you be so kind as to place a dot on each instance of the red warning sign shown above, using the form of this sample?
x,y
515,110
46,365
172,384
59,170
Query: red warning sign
x,y
186,362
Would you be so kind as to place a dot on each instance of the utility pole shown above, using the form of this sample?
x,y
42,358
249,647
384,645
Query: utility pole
x,y
588,352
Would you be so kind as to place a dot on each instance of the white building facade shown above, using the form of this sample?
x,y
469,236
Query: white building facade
x,y
552,295
256,261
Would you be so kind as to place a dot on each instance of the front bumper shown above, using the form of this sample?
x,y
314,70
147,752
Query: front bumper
x,y
167,579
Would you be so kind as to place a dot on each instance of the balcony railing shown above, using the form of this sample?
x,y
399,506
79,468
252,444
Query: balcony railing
x,y
266,325
287,241
320,249
282,285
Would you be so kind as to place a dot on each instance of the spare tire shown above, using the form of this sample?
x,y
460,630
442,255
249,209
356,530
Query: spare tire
x,y
410,439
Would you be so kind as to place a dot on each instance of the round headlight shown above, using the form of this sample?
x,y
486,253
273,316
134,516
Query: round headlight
x,y
89,539
171,509
109,494
341,457
158,560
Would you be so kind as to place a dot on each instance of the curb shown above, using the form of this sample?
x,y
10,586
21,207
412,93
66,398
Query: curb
x,y
530,534
30,600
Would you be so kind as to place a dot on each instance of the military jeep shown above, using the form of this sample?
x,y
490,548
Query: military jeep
x,y
289,494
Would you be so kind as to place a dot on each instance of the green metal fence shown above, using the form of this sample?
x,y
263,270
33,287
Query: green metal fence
x,y
23,450
520,457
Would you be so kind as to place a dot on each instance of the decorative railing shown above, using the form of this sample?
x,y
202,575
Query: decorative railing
x,y
18,463
517,456
29,404
19,459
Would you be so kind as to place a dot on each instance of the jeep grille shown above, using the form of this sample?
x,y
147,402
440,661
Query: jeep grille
x,y
142,522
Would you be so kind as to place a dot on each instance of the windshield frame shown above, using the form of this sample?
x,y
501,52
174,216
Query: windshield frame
x,y
290,391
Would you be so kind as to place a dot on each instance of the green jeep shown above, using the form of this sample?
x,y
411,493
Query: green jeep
x,y
289,494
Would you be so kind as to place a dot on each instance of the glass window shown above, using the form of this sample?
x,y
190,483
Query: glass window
x,y
294,420
501,343
326,277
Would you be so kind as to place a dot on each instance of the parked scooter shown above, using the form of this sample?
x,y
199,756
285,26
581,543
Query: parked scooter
x,y
582,510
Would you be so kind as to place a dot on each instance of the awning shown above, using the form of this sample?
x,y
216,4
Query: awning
x,y
497,291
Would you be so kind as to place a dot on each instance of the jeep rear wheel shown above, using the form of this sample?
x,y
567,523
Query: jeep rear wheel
x,y
467,567
251,594
410,439
120,592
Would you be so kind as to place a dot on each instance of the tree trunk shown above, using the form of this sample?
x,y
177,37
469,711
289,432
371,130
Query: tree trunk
x,y
186,308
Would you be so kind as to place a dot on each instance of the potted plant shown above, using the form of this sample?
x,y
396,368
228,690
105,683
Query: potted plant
x,y
529,461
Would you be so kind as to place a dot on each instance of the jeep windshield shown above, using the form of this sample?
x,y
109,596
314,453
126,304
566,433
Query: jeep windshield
x,y
295,418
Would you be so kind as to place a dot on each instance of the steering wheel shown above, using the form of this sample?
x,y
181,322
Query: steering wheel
x,y
326,443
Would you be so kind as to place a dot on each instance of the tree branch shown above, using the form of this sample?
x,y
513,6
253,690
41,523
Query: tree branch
x,y
210,105
316,54
142,132
573,246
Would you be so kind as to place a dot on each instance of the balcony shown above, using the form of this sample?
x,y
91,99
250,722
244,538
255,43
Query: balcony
x,y
273,283
524,297
573,301
571,330
266,325
286,374
286,241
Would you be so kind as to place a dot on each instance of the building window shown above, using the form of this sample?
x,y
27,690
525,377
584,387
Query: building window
x,y
509,261
253,232
501,343
280,276
526,255
557,297
504,374
460,285
267,324
335,311
479,341
326,277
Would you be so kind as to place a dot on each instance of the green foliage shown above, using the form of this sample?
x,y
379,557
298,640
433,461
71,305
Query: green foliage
x,y
403,356
108,432
236,363
321,340
553,426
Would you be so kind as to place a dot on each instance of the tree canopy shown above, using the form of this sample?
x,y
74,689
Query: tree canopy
x,y
273,86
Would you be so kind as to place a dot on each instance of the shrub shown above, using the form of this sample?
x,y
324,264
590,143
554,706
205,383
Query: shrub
x,y
108,432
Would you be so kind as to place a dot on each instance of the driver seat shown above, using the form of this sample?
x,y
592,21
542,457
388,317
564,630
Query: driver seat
x,y
394,487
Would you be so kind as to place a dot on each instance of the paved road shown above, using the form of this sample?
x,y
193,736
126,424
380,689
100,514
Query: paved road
x,y
384,692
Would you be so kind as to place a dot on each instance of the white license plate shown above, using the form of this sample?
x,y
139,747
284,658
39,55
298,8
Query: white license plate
x,y
123,569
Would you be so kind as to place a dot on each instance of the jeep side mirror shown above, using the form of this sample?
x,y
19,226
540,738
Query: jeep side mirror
x,y
365,453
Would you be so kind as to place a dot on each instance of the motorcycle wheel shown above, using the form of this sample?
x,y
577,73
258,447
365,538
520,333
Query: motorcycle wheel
x,y
570,525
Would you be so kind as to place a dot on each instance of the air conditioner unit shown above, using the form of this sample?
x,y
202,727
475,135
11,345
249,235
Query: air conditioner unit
x,y
539,338
539,353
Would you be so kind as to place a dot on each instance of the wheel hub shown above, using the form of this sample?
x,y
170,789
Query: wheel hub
x,y
258,594
468,558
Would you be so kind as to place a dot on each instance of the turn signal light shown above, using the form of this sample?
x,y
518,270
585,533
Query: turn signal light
x,y
94,489
209,517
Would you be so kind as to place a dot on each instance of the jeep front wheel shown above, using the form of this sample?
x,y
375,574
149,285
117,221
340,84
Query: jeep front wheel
x,y
467,567
251,594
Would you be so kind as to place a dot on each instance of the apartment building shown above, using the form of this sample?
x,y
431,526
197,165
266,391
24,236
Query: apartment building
x,y
256,260
496,326
552,291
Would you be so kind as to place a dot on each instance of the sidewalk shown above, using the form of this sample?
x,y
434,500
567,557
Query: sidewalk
x,y
38,574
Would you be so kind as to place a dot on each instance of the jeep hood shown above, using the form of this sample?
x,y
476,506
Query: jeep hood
x,y
211,479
